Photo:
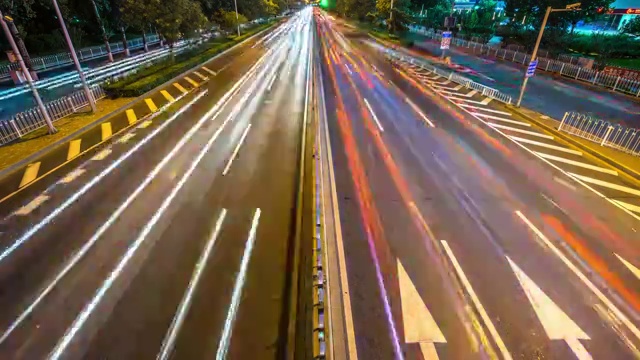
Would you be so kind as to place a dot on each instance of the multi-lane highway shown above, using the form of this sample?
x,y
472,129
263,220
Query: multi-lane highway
x,y
460,231
175,240
453,229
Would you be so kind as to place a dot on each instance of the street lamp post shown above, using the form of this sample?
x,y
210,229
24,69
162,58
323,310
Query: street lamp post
x,y
572,7
104,33
87,91
27,75
391,16
235,3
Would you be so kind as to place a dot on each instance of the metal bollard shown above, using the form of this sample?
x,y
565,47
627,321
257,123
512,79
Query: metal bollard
x,y
606,135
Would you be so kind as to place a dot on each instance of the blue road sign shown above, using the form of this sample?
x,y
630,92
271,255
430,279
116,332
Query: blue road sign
x,y
446,40
531,69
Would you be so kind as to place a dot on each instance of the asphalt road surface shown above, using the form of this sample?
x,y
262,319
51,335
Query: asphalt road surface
x,y
545,93
459,243
173,241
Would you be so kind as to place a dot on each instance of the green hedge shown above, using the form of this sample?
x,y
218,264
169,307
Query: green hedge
x,y
149,78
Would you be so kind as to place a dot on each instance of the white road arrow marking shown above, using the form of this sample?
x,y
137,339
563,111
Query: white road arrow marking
x,y
419,325
556,323
629,266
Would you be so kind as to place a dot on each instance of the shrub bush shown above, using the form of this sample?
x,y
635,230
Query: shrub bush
x,y
149,78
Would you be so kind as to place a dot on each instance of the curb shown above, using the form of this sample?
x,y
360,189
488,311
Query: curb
x,y
29,159
627,173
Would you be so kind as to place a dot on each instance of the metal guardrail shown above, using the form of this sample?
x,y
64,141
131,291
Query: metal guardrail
x,y
599,78
33,119
57,60
603,132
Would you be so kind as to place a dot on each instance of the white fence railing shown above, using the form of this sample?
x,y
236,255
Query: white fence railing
x,y
452,76
57,60
601,131
33,119
613,82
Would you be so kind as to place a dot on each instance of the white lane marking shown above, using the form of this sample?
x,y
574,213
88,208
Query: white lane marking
x,y
476,301
485,109
90,307
72,175
225,338
185,304
419,326
606,184
628,206
629,266
453,98
564,182
578,349
349,70
486,101
273,79
575,178
235,151
612,308
342,264
556,323
417,109
215,110
447,87
373,115
467,95
101,155
32,205
522,131
548,146
577,163
125,138
487,116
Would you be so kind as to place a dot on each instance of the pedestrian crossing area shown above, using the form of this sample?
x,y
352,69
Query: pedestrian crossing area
x,y
573,162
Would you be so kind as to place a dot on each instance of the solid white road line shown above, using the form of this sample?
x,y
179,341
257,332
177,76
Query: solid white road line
x,y
500,119
467,95
485,109
342,264
634,270
606,184
577,163
476,301
225,338
548,146
612,308
578,349
373,114
170,338
422,115
447,87
235,151
522,131
628,206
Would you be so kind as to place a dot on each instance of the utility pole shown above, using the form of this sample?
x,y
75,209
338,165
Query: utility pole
x,y
572,7
74,56
27,75
104,33
235,3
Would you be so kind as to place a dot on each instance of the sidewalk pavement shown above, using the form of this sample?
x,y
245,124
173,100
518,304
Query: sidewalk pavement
x,y
33,142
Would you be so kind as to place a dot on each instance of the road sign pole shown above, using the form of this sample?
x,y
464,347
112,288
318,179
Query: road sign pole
x,y
534,54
